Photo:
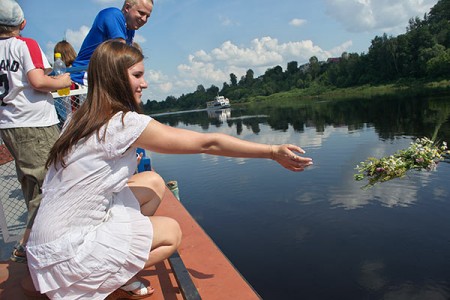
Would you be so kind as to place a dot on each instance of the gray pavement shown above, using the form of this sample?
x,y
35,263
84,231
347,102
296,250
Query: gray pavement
x,y
13,212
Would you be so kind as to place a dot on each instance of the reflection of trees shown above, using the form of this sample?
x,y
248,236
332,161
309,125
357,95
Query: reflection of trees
x,y
440,114
390,116
252,123
204,120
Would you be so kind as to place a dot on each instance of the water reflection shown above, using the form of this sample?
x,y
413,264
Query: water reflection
x,y
374,277
402,193
410,291
371,275
221,114
391,117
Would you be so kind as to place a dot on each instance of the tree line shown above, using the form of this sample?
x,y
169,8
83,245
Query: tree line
x,y
421,53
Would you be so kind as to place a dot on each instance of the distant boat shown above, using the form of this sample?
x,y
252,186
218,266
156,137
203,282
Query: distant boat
x,y
219,102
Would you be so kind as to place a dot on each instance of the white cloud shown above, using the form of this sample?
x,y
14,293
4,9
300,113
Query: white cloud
x,y
200,70
166,87
215,67
155,76
76,37
261,53
201,55
369,15
338,50
297,22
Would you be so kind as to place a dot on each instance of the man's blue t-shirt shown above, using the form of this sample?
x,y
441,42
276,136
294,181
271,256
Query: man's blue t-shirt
x,y
109,24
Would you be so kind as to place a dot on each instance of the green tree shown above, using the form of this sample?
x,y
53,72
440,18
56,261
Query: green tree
x,y
438,19
440,12
314,67
382,63
249,77
212,91
292,67
419,38
201,88
439,65
233,79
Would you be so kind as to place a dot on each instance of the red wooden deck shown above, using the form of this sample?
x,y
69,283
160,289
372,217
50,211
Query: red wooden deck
x,y
5,156
211,272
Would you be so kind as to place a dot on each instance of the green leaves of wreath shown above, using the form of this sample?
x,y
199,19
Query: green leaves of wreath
x,y
423,154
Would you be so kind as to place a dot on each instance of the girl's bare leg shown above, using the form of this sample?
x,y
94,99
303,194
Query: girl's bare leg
x,y
148,188
166,239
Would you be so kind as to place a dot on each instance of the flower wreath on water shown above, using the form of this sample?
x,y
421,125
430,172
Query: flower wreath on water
x,y
423,154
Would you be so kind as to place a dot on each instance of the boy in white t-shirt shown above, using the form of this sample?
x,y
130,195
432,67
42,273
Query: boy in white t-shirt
x,y
28,119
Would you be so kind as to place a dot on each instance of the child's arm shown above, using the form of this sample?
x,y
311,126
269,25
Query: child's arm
x,y
44,83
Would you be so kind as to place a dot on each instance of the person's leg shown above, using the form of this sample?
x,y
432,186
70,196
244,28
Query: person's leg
x,y
33,154
148,188
166,239
10,137
30,148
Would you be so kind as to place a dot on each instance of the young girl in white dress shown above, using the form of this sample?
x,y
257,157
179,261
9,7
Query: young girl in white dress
x,y
95,228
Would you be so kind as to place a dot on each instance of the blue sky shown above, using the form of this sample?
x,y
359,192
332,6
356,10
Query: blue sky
x,y
192,42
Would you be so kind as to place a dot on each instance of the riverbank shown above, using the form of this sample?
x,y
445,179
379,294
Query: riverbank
x,y
405,88
411,88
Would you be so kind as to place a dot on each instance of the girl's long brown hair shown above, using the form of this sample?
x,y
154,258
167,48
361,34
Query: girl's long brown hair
x,y
109,92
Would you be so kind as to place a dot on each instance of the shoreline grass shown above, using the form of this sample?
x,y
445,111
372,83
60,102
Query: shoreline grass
x,y
365,91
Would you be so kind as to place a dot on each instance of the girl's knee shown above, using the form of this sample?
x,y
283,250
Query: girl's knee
x,y
154,181
166,231
147,184
177,234
174,234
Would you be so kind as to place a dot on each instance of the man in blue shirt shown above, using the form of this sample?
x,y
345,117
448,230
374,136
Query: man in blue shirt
x,y
112,23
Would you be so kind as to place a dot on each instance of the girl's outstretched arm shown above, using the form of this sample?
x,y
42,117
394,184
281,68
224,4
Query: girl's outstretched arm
x,y
161,138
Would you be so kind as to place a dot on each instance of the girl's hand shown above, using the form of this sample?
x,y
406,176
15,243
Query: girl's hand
x,y
139,157
285,156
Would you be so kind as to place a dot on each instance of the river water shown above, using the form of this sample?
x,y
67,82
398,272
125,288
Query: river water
x,y
319,234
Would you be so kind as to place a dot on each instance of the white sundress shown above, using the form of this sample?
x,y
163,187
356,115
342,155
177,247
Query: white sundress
x,y
89,236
